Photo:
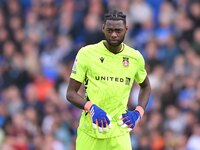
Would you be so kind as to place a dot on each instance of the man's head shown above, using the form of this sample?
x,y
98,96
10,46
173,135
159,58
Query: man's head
x,y
114,27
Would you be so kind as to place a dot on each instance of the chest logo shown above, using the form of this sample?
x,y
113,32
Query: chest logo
x,y
125,61
101,59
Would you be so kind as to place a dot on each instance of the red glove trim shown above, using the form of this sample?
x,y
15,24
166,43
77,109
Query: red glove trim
x,y
88,105
140,109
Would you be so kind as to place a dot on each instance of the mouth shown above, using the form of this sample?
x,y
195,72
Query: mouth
x,y
114,42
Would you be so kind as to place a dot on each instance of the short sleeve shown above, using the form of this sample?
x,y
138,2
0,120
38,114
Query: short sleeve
x,y
79,67
141,71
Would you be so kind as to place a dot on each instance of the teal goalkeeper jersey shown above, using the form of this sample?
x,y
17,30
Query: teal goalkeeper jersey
x,y
108,80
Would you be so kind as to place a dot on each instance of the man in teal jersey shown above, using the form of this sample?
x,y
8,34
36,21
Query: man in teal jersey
x,y
108,70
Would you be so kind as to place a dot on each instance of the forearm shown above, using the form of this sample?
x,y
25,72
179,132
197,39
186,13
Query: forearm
x,y
144,97
144,94
75,99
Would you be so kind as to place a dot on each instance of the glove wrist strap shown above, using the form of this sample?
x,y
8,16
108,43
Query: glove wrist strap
x,y
87,106
140,109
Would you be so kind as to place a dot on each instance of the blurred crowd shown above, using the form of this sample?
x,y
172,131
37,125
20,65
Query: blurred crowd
x,y
39,40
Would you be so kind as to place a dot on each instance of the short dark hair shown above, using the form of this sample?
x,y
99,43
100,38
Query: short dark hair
x,y
115,15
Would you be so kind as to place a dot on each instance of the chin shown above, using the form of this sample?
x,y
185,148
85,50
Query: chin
x,y
115,44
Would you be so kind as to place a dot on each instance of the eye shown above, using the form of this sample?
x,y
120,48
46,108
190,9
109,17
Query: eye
x,y
118,30
109,30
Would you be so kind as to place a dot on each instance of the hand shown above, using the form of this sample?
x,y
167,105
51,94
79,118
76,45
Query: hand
x,y
99,117
129,119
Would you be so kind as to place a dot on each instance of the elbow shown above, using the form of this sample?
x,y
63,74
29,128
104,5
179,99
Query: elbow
x,y
149,88
69,96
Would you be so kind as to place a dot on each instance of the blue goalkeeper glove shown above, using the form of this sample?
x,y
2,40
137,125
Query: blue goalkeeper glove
x,y
99,117
129,119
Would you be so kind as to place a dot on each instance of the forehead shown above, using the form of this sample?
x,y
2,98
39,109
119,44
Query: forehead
x,y
114,24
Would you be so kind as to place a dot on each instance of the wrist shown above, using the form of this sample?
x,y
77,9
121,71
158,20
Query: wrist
x,y
88,105
140,109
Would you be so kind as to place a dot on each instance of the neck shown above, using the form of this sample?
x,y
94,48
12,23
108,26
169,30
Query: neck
x,y
113,49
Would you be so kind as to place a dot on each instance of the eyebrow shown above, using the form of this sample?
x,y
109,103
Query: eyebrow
x,y
119,28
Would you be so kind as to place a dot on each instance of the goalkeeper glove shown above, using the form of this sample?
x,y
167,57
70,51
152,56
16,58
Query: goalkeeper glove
x,y
99,117
129,119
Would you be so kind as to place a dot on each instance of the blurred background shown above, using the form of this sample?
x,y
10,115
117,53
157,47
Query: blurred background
x,y
39,40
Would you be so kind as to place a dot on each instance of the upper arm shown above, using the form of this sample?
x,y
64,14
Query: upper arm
x,y
73,95
145,83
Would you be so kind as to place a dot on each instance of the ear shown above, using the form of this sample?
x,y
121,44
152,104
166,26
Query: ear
x,y
103,27
126,28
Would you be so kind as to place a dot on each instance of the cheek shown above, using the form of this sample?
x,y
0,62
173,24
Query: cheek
x,y
122,34
106,34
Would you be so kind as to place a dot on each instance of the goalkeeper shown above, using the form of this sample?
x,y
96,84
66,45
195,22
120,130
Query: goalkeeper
x,y
108,70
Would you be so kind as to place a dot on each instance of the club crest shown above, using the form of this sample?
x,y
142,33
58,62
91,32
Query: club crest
x,y
125,61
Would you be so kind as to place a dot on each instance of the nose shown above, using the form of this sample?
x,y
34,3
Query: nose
x,y
114,35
